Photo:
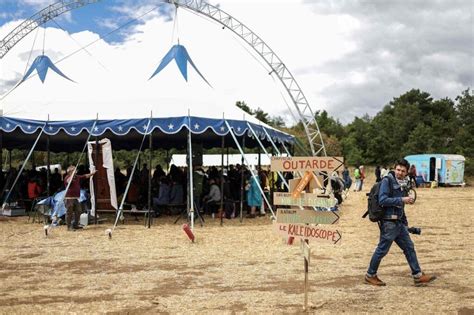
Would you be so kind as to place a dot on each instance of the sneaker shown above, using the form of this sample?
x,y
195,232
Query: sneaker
x,y
423,279
374,281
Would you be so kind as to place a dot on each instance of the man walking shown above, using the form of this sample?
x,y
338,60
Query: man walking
x,y
393,227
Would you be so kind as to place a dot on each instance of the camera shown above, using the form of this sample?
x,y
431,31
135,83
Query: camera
x,y
414,230
404,185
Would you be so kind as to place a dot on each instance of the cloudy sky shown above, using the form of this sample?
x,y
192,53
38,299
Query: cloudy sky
x,y
349,57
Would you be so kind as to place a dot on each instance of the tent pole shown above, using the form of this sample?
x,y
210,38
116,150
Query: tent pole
x,y
150,149
190,169
1,149
95,178
48,165
7,174
1,158
253,175
221,212
2,177
242,182
272,179
227,158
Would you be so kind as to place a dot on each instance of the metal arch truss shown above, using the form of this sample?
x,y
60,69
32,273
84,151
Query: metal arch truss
x,y
38,19
305,113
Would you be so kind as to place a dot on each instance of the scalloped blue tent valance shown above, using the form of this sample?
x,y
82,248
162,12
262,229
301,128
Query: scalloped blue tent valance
x,y
123,129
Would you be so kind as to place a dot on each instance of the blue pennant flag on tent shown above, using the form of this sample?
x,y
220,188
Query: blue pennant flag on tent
x,y
181,56
42,64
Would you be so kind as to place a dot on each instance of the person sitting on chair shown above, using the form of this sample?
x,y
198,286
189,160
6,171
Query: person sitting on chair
x,y
212,200
163,198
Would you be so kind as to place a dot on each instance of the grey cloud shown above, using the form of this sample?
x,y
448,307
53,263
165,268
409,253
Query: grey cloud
x,y
6,85
400,45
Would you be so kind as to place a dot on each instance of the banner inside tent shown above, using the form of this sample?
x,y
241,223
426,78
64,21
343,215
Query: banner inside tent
x,y
108,164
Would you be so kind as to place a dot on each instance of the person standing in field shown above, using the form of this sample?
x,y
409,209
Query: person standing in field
x,y
357,179
394,227
362,176
73,207
254,197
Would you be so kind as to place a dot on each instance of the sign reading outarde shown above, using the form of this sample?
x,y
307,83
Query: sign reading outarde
x,y
310,163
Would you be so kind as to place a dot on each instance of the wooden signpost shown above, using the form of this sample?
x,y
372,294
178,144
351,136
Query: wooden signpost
x,y
305,224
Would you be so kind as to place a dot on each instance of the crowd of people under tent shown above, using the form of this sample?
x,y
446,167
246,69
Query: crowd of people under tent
x,y
168,189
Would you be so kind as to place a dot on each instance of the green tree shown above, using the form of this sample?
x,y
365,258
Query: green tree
x,y
261,115
329,125
420,140
243,106
464,140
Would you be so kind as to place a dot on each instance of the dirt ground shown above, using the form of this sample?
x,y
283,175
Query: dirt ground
x,y
238,267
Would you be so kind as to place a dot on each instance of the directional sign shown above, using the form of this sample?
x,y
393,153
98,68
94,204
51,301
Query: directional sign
x,y
310,163
305,200
307,216
308,232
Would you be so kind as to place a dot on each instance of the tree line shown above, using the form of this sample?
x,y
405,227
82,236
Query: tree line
x,y
412,123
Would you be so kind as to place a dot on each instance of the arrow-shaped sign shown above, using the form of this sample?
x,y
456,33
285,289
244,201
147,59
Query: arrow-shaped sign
x,y
305,200
296,216
308,232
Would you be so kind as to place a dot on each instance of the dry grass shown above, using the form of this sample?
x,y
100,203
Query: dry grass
x,y
239,267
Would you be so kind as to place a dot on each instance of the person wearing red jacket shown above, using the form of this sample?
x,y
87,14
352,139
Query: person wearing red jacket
x,y
34,189
71,200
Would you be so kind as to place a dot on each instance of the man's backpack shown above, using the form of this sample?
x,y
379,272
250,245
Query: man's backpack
x,y
374,210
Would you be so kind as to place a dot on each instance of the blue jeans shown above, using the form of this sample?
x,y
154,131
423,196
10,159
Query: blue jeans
x,y
394,231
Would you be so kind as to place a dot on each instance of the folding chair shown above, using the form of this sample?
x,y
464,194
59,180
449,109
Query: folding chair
x,y
41,207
